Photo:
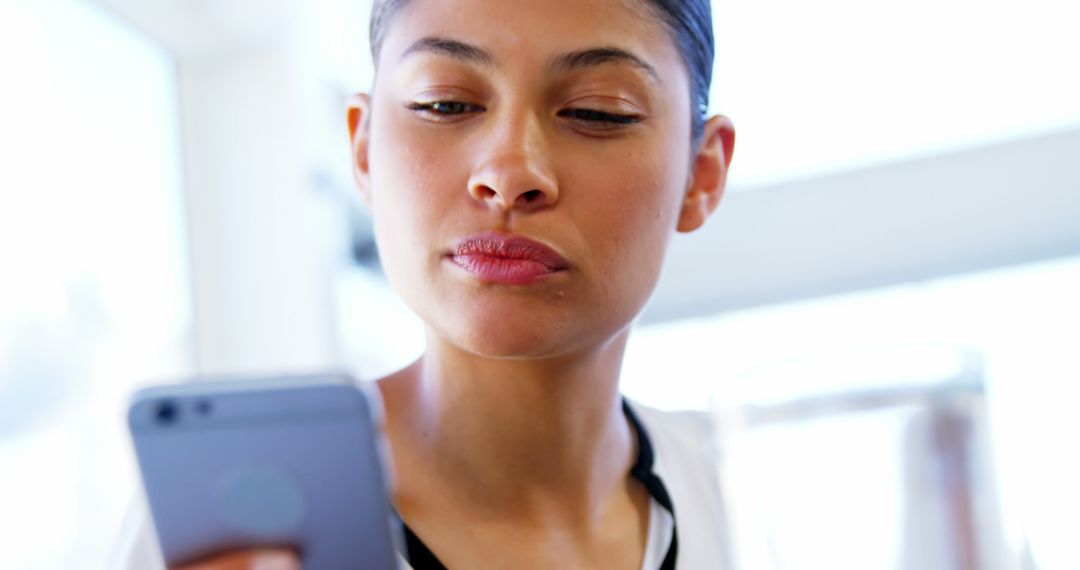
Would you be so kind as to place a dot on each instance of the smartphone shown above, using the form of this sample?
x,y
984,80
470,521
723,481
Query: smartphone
x,y
288,461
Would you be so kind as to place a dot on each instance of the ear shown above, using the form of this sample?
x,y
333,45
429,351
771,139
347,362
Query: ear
x,y
359,119
708,174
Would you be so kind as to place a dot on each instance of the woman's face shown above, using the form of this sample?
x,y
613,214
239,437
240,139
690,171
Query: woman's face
x,y
566,122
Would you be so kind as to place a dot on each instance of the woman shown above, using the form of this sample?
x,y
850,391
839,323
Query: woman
x,y
526,163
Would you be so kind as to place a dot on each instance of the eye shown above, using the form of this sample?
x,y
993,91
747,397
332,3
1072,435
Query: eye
x,y
599,119
444,110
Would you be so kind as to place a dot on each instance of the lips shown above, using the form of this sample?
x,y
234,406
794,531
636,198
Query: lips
x,y
506,258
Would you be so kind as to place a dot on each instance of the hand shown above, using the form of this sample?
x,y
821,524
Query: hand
x,y
255,559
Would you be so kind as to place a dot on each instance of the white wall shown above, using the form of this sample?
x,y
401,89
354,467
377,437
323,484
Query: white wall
x,y
988,207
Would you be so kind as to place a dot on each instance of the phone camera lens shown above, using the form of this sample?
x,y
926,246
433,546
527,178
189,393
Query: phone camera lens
x,y
166,412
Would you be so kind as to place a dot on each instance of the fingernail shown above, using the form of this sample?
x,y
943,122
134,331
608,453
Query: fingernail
x,y
275,560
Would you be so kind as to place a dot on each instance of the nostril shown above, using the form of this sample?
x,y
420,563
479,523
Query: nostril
x,y
532,196
486,193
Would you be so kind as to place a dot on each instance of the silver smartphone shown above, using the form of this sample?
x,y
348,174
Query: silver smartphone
x,y
291,461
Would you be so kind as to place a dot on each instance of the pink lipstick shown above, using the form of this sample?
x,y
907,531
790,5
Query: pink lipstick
x,y
506,259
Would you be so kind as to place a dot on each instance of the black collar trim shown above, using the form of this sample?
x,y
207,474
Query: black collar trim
x,y
420,556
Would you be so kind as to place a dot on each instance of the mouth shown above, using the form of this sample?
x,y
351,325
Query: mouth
x,y
506,258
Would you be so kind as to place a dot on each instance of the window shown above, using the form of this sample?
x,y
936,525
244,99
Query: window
x,y
94,298
831,473
834,85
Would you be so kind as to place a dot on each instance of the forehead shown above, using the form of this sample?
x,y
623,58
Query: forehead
x,y
520,33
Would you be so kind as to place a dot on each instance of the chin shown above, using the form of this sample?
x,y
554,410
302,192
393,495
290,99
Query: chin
x,y
505,330
513,337
505,334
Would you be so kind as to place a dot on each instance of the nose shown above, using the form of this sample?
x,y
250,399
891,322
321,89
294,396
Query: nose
x,y
515,171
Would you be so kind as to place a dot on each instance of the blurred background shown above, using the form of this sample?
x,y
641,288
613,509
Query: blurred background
x,y
883,317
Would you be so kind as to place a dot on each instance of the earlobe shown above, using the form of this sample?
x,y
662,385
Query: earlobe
x,y
708,176
359,119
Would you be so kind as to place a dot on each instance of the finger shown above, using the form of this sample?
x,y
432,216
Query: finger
x,y
275,559
256,559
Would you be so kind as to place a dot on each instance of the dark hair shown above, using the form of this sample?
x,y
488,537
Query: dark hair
x,y
689,20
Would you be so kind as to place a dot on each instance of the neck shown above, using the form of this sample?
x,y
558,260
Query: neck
x,y
515,436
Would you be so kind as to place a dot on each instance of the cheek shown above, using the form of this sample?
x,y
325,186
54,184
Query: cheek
x,y
402,170
412,178
632,210
402,201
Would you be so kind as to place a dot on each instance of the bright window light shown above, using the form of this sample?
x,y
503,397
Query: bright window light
x,y
819,87
95,295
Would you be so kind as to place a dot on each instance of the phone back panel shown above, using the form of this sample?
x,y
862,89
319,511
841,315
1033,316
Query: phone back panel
x,y
284,462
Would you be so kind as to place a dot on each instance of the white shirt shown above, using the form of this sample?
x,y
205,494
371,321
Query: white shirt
x,y
684,448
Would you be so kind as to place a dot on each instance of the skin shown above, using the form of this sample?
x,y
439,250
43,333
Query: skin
x,y
256,559
508,431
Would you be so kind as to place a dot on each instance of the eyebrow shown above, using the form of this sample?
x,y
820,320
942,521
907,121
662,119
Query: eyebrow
x,y
599,56
570,61
450,48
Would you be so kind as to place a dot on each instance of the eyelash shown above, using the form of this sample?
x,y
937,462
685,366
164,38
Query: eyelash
x,y
600,118
446,110
432,108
